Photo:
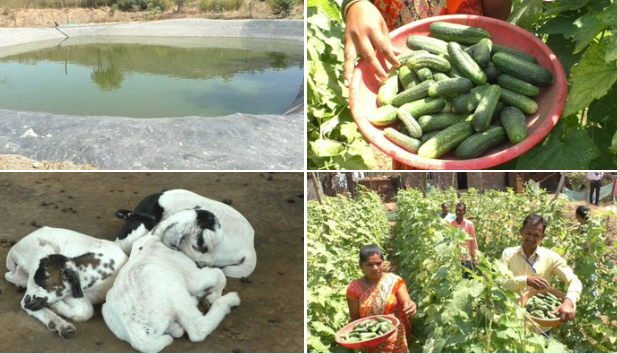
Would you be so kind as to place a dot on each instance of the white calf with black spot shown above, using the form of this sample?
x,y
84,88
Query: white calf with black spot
x,y
155,296
232,249
64,273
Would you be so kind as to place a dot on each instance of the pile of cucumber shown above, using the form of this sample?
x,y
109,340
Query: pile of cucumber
x,y
542,306
368,330
450,96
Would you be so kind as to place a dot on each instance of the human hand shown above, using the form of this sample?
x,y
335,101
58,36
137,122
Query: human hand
x,y
537,282
365,32
410,310
565,310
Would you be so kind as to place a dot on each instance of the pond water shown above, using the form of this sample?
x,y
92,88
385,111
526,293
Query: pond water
x,y
152,77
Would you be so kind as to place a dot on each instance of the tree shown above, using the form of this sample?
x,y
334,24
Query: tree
x,y
180,4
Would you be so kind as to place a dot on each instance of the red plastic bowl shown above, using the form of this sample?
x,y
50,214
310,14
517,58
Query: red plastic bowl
x,y
551,100
368,343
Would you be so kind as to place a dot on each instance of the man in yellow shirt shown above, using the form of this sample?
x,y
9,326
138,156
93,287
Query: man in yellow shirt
x,y
533,266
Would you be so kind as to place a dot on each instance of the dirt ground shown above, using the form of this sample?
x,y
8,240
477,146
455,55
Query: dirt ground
x,y
33,17
271,316
21,163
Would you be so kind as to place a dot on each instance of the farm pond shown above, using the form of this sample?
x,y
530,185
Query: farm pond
x,y
152,77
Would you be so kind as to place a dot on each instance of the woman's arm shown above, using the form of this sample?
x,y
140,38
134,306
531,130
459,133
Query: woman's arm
x,y
499,9
354,308
402,295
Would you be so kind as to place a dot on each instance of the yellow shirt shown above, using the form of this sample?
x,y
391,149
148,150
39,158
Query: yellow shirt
x,y
546,263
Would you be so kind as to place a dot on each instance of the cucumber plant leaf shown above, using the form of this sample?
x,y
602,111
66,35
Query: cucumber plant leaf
x,y
573,149
591,79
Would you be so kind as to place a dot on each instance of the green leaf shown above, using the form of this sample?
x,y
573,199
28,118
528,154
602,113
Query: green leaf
x,y
591,79
589,26
323,147
328,126
527,14
611,47
613,148
563,49
563,25
320,327
603,109
572,152
609,15
328,7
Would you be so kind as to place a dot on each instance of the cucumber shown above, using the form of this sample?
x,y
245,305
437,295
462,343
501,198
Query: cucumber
x,y
447,108
478,143
407,77
402,58
498,109
406,142
499,48
482,53
383,115
426,136
484,112
424,106
517,85
450,87
431,61
413,93
413,128
446,140
491,72
465,64
387,91
513,121
454,72
439,121
459,33
424,74
440,76
522,69
524,103
469,50
431,45
467,103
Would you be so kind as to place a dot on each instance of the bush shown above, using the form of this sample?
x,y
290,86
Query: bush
x,y
162,5
282,8
139,5
219,5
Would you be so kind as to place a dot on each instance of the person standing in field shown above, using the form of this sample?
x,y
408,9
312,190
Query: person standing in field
x,y
534,267
381,293
595,184
368,23
469,257
446,215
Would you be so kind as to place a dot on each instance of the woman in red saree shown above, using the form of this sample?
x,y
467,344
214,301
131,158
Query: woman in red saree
x,y
381,293
368,22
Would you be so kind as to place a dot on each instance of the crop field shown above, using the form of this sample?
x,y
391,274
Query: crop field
x,y
456,314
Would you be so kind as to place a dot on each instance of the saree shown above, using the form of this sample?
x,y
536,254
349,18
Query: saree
x,y
378,300
401,12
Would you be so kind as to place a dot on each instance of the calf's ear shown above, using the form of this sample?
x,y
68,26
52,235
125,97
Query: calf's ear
x,y
124,214
173,235
73,279
145,216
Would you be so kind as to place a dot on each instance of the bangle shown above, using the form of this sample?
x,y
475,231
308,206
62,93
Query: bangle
x,y
346,5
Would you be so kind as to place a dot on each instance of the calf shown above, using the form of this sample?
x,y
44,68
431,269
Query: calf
x,y
232,250
155,296
64,272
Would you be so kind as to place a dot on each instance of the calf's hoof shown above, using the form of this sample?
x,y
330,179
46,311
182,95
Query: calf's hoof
x,y
67,331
